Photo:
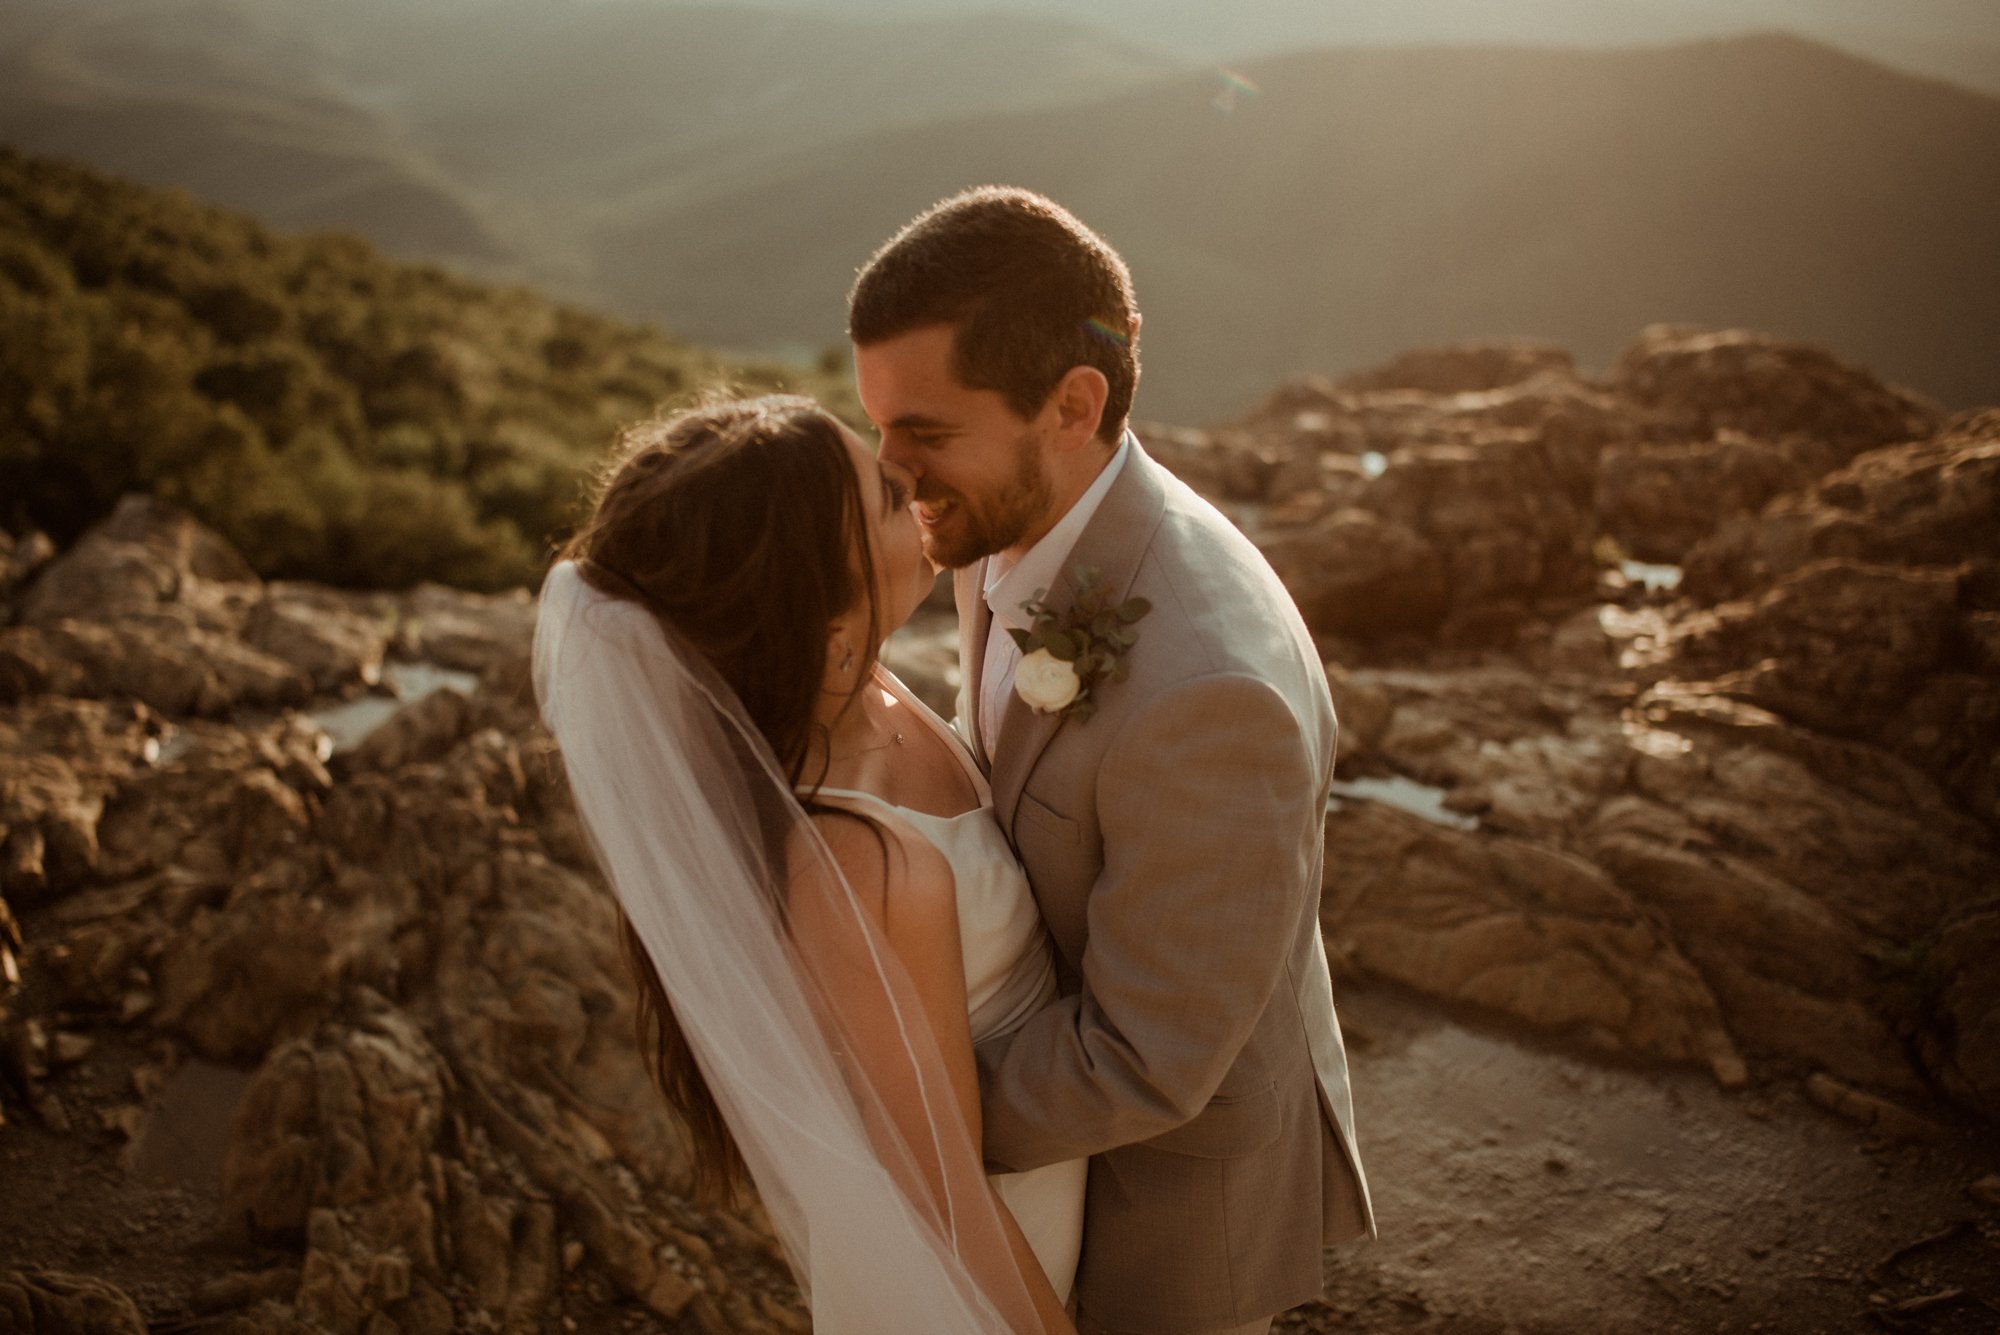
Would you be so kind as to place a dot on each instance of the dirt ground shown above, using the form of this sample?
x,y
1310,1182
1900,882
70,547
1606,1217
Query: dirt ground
x,y
1520,1188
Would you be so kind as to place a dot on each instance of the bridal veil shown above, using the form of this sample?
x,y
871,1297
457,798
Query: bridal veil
x,y
813,1054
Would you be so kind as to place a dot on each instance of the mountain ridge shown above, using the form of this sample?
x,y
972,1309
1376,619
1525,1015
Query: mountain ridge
x,y
1348,212
501,157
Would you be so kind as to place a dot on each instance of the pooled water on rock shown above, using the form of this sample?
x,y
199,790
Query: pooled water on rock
x,y
1405,794
1652,576
350,722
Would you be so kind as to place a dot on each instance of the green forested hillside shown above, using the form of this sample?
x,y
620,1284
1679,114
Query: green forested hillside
x,y
335,415
500,136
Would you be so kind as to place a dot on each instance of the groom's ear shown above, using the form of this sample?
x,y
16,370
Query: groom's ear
x,y
1078,406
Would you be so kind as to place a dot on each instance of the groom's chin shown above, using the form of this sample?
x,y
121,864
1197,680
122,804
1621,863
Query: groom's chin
x,y
946,555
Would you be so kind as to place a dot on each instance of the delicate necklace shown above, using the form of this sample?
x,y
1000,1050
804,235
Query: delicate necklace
x,y
895,739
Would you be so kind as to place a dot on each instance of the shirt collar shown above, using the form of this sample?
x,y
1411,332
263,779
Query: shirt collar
x,y
1007,587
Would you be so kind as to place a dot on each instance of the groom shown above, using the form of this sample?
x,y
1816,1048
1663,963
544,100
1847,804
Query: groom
x,y
1173,828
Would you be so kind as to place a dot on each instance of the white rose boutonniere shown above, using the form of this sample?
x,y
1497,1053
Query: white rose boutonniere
x,y
1046,682
1067,654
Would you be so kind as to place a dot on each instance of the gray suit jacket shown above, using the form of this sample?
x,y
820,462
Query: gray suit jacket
x,y
1174,842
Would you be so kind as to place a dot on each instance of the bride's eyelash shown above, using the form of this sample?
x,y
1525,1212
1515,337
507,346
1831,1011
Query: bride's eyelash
x,y
899,493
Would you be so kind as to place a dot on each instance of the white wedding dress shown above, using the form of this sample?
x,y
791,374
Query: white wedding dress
x,y
1009,975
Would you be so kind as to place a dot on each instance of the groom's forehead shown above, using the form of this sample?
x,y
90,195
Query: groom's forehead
x,y
912,375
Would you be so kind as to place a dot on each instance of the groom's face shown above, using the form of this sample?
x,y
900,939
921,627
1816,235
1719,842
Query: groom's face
x,y
981,470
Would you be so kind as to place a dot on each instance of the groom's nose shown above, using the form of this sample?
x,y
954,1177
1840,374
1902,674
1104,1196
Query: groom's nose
x,y
902,456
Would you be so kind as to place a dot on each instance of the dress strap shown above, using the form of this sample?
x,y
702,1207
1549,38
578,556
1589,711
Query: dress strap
x,y
942,730
849,794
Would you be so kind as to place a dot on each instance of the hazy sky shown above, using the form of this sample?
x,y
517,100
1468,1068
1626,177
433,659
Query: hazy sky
x,y
1208,30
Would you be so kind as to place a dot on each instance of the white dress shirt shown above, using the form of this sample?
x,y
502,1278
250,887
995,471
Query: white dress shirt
x,y
1011,583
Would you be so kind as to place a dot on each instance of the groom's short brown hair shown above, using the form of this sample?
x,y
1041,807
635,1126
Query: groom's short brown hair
x,y
1031,291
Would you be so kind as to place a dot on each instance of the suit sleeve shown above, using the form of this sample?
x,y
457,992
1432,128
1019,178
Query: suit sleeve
x,y
1200,803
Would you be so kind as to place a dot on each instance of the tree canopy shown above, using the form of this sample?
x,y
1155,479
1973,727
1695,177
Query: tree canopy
x,y
335,415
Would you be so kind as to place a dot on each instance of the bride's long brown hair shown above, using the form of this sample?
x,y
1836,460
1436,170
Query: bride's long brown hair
x,y
740,526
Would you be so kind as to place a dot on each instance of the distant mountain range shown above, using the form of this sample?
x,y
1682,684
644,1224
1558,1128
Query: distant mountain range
x,y
498,133
1947,39
1368,201
724,170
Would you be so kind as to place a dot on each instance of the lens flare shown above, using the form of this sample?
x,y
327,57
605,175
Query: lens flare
x,y
1105,330
1235,84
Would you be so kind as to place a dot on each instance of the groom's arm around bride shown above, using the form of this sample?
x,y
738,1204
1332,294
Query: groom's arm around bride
x,y
1173,832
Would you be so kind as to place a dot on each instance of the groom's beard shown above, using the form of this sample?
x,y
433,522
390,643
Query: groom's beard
x,y
970,529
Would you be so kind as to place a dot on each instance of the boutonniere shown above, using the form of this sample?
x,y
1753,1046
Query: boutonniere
x,y
1064,655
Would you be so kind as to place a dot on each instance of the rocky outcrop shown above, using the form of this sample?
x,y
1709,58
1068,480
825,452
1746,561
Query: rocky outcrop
x,y
1748,825
1463,369
1659,499
1932,503
1711,824
1672,872
49,1302
1390,513
1518,928
1464,495
446,1124
1868,606
1712,381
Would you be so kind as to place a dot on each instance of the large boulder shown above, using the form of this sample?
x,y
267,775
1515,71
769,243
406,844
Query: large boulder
x,y
151,605
1681,873
469,632
1517,928
1932,502
146,556
336,640
1887,654
51,1302
1463,368
60,760
1355,574
1660,499
1964,1044
1477,469
172,665
1711,381
347,1118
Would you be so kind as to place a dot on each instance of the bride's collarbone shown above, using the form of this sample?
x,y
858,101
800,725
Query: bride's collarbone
x,y
919,774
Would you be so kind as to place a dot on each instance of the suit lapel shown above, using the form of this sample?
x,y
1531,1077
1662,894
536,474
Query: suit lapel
x,y
1113,543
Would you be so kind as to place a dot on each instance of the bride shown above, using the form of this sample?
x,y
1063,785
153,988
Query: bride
x,y
825,916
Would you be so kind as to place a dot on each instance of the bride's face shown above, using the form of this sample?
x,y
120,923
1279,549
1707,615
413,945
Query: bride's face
x,y
903,575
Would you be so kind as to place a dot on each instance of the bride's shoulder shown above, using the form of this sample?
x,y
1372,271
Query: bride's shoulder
x,y
892,869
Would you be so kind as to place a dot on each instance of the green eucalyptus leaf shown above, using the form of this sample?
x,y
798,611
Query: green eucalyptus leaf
x,y
1133,608
1021,638
1062,644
